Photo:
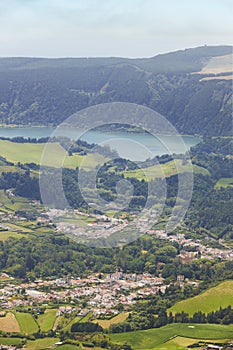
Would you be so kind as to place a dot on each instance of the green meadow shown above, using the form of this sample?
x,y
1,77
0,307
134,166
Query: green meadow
x,y
40,344
55,155
4,235
11,341
224,182
164,170
14,204
159,338
26,322
46,320
211,300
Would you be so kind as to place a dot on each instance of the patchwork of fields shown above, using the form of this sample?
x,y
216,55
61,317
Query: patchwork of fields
x,y
170,337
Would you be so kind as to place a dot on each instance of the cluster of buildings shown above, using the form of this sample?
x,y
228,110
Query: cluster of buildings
x,y
101,293
194,248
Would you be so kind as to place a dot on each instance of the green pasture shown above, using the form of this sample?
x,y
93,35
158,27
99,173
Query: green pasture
x,y
210,300
46,320
224,182
40,344
26,322
4,235
165,170
11,341
54,156
157,338
15,203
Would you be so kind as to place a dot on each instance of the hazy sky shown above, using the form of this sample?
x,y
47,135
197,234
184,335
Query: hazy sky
x,y
130,28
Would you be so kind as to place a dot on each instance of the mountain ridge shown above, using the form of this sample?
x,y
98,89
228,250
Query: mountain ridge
x,y
46,91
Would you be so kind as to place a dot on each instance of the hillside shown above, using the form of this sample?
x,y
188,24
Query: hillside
x,y
210,300
44,91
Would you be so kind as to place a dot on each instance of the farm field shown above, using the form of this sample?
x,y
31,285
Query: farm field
x,y
224,182
17,204
114,320
153,339
55,157
26,322
11,341
46,321
210,300
40,343
181,343
71,347
4,235
167,169
69,325
9,323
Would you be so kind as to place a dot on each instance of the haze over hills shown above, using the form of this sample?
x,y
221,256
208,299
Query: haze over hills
x,y
192,87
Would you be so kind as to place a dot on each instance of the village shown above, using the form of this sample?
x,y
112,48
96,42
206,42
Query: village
x,y
100,293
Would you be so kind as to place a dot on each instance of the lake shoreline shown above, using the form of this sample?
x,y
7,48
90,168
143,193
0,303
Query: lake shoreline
x,y
126,131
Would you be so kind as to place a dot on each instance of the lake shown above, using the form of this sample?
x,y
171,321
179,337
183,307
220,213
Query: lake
x,y
134,146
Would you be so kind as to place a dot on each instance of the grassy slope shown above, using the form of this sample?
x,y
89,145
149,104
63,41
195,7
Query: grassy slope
x,y
210,300
10,341
4,235
40,343
224,182
46,321
56,156
114,320
181,343
27,323
152,338
167,169
17,203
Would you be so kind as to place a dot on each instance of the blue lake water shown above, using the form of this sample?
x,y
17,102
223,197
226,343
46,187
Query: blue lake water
x,y
134,146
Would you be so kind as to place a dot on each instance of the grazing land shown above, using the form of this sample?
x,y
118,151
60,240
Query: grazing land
x,y
153,338
32,153
11,341
168,169
4,235
26,322
210,300
181,343
46,320
224,182
117,319
40,343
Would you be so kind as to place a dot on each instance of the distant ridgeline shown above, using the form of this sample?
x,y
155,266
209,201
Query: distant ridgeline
x,y
192,88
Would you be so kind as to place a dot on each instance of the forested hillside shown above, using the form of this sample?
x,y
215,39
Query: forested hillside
x,y
46,91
